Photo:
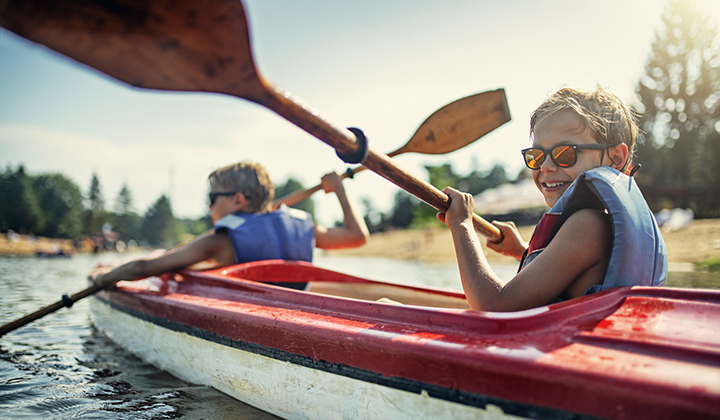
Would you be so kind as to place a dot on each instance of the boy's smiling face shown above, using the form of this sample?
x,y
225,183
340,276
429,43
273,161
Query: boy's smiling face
x,y
563,127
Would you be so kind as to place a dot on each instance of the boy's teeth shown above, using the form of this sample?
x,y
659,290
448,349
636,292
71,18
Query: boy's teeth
x,y
553,185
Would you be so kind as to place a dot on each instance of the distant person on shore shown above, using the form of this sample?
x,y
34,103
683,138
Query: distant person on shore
x,y
246,230
599,232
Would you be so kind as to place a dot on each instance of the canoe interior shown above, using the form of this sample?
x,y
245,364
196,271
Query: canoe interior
x,y
332,283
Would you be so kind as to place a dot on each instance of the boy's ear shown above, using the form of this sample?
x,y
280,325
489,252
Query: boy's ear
x,y
240,201
618,155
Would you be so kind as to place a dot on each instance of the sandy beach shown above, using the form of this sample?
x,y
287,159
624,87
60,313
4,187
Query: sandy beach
x,y
698,242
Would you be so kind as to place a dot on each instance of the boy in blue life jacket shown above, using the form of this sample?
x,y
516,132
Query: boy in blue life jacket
x,y
245,228
599,232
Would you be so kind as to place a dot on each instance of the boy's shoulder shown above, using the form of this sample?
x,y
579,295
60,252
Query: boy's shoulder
x,y
231,221
235,220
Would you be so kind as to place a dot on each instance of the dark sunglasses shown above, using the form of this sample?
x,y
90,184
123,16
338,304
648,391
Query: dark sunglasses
x,y
214,195
564,155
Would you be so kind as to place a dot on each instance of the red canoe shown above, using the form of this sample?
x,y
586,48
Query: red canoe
x,y
334,351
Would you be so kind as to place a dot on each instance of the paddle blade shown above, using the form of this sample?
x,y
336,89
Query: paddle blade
x,y
459,124
198,45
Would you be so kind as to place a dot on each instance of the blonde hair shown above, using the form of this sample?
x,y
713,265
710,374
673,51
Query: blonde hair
x,y
249,178
599,110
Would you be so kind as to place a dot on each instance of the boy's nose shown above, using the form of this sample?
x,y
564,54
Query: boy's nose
x,y
548,164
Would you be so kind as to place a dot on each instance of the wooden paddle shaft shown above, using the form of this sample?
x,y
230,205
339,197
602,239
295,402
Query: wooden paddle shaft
x,y
387,168
344,142
446,130
67,301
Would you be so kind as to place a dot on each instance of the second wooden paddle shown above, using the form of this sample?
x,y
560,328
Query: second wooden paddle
x,y
450,128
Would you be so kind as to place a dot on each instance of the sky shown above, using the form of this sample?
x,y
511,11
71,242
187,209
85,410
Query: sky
x,y
378,65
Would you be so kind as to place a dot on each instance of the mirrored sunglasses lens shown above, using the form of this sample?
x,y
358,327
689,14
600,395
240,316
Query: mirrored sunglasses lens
x,y
564,156
534,158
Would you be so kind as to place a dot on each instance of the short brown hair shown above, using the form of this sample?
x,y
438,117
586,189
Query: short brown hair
x,y
249,178
599,110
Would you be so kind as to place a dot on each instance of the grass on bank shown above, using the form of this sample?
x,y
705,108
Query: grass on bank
x,y
712,264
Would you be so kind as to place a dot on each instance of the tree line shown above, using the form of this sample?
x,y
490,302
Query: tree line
x,y
53,206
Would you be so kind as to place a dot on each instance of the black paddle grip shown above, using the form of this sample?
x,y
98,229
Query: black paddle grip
x,y
361,153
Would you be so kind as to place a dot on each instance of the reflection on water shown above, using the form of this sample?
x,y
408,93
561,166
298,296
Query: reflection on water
x,y
59,367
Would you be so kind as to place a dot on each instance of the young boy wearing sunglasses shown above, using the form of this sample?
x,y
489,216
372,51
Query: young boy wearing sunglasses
x,y
599,232
247,230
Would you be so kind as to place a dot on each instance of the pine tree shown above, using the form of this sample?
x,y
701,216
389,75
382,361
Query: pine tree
x,y
159,225
680,106
61,205
290,186
95,210
19,205
126,222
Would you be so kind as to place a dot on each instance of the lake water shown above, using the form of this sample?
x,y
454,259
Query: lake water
x,y
60,367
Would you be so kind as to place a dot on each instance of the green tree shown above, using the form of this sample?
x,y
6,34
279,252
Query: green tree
x,y
94,216
61,206
159,225
373,218
680,107
19,206
440,177
126,222
476,182
403,209
124,201
444,176
290,186
197,226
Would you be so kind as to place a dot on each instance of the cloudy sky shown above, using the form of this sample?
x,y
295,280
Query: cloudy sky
x,y
379,65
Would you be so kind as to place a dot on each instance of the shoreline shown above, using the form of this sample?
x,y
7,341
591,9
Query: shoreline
x,y
688,246
24,245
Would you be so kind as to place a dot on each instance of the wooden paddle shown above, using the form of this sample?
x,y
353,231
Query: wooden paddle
x,y
191,45
446,130
66,301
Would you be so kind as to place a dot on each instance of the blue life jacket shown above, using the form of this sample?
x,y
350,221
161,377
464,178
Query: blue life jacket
x,y
638,256
286,234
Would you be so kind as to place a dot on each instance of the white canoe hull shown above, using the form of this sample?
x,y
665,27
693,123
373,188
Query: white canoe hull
x,y
279,387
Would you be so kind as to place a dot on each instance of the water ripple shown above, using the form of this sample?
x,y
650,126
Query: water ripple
x,y
61,368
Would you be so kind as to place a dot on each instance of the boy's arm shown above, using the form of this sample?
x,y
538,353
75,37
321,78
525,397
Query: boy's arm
x,y
203,247
573,261
354,231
